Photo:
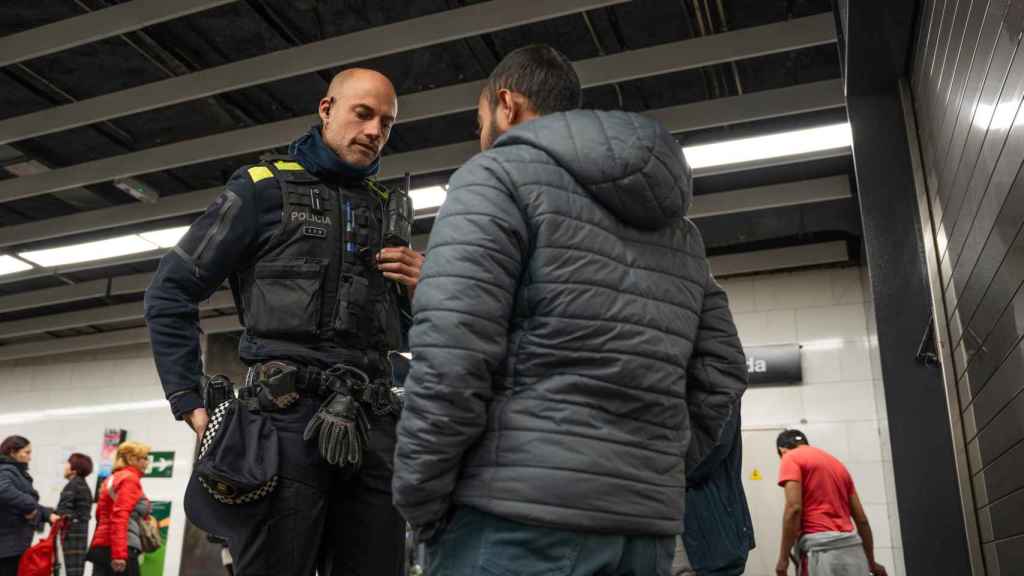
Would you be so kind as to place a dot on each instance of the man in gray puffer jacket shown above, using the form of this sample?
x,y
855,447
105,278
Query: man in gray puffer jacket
x,y
572,354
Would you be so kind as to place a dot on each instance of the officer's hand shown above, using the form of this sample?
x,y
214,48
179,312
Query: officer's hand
x,y
198,419
402,265
118,565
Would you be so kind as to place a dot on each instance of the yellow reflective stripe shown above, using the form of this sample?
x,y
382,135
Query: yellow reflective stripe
x,y
380,189
283,165
258,173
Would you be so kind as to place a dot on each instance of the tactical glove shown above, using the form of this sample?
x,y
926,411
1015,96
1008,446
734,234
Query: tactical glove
x,y
343,430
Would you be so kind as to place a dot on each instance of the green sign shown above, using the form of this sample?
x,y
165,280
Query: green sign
x,y
161,465
152,564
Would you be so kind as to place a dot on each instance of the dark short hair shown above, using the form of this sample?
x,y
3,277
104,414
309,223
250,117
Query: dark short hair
x,y
540,73
13,444
80,464
790,439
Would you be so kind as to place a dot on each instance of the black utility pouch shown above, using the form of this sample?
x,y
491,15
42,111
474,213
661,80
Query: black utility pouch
x,y
352,296
238,455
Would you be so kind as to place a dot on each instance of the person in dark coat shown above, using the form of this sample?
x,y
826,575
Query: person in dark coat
x,y
572,353
20,512
718,531
76,506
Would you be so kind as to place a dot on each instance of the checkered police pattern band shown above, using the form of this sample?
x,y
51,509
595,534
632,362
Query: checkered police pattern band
x,y
253,496
216,421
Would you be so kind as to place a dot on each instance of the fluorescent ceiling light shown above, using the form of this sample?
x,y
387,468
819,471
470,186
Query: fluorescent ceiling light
x,y
103,409
10,265
167,238
432,197
102,249
87,251
832,137
824,344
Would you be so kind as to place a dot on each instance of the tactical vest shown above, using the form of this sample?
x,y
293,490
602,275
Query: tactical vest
x,y
315,284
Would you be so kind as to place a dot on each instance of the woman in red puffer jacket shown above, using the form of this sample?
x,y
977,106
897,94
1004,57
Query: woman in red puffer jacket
x,y
122,507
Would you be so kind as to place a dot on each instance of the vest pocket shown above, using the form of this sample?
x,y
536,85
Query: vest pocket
x,y
351,318
286,299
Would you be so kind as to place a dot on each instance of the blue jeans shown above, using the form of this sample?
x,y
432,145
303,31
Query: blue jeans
x,y
477,544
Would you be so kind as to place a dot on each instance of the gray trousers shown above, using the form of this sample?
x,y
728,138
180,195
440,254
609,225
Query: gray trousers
x,y
834,554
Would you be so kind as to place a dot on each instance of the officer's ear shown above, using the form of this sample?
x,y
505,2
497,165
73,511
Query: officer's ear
x,y
325,109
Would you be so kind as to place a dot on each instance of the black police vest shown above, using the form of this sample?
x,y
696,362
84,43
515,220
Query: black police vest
x,y
315,287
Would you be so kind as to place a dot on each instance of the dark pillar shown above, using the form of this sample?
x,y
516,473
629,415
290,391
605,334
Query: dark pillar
x,y
878,39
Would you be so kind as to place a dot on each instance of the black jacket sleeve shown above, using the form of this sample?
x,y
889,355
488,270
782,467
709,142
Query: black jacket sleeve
x,y
716,379
66,504
216,244
462,308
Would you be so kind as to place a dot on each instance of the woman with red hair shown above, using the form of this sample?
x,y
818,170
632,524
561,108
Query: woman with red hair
x,y
76,507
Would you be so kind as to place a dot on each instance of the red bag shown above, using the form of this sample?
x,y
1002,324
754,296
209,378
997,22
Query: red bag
x,y
40,559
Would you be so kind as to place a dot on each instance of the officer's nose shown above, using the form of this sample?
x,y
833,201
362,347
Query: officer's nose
x,y
374,130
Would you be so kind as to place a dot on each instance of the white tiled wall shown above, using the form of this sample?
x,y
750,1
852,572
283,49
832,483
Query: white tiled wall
x,y
830,313
114,389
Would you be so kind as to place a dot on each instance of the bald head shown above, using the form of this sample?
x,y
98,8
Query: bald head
x,y
359,77
357,114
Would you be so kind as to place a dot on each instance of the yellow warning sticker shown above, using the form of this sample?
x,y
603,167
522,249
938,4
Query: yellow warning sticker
x,y
756,475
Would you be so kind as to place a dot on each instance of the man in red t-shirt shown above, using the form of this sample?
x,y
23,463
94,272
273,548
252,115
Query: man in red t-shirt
x,y
820,501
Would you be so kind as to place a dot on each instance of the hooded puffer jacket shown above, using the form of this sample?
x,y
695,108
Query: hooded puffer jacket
x,y
571,349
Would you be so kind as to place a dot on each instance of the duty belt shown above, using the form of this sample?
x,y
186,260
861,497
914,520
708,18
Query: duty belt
x,y
277,385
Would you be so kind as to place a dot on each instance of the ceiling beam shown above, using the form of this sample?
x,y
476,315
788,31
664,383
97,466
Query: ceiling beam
x,y
721,266
62,271
104,340
343,50
116,286
780,259
749,107
772,196
756,198
79,30
96,316
652,61
111,217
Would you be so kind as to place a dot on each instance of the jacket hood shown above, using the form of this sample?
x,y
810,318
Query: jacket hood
x,y
629,163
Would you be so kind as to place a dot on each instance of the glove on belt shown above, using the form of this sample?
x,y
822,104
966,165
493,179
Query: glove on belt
x,y
341,424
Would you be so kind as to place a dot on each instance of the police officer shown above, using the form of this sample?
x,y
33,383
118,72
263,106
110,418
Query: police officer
x,y
301,240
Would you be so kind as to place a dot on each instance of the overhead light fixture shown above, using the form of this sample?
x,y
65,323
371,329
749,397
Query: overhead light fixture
x,y
103,249
51,414
11,265
782,144
426,198
167,238
87,251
